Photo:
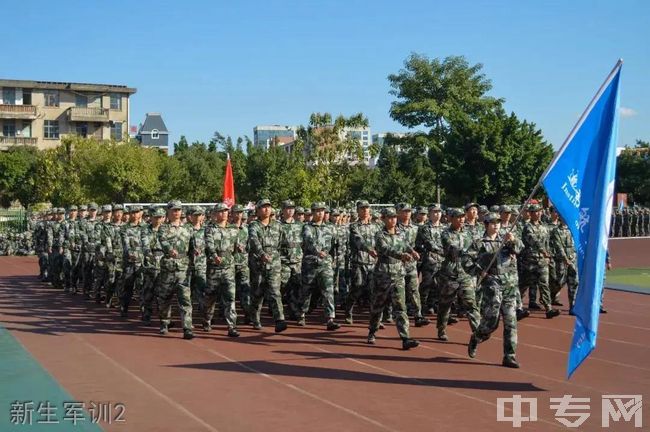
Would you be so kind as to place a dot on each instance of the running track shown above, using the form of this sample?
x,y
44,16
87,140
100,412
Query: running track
x,y
308,379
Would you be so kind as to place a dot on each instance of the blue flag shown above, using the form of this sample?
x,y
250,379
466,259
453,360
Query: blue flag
x,y
580,183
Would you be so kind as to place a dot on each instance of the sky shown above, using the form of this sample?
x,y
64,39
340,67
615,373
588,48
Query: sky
x,y
227,66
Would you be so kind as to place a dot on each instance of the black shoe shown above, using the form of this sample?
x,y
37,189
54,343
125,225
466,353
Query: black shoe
x,y
188,334
522,313
232,332
257,326
207,327
331,325
442,335
511,363
556,303
172,324
603,310
452,320
471,347
534,306
123,313
381,326
422,321
348,319
301,322
551,313
407,344
280,326
371,338
164,329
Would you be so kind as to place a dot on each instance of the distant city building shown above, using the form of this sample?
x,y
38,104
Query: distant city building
x,y
268,135
40,113
380,139
153,132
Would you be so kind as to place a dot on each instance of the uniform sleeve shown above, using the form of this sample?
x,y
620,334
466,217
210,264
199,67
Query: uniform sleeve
x,y
254,243
384,248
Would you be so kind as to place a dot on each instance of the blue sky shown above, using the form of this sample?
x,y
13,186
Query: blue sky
x,y
227,66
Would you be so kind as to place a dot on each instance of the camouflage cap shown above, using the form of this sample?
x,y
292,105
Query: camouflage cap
x,y
483,209
300,210
335,212
319,205
422,210
117,207
263,202
237,208
93,206
83,207
404,207
73,208
389,212
455,212
470,205
106,208
492,217
363,203
219,207
288,204
60,210
197,210
158,212
534,207
435,207
175,205
505,209
494,208
135,208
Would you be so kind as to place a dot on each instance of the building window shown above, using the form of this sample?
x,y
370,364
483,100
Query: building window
x,y
116,131
51,98
80,100
155,134
81,129
9,130
116,101
9,96
51,129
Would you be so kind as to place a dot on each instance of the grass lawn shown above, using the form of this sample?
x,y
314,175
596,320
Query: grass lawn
x,y
639,277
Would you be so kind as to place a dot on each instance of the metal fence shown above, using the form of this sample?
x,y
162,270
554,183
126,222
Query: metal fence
x,y
14,220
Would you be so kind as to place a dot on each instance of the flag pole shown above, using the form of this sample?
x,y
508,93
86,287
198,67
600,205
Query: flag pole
x,y
568,139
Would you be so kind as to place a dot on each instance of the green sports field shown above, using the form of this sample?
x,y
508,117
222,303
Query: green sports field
x,y
639,277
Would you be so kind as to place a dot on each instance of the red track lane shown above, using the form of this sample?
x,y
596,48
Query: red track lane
x,y
311,379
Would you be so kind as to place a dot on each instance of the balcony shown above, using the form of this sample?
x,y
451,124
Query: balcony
x,y
89,114
7,142
24,112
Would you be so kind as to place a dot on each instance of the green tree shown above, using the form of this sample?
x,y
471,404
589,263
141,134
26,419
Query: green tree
x,y
632,173
18,180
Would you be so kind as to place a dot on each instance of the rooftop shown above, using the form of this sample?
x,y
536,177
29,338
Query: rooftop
x,y
55,85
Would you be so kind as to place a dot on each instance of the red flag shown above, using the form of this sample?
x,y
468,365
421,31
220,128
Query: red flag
x,y
228,185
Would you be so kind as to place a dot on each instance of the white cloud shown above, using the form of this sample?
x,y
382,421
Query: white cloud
x,y
627,112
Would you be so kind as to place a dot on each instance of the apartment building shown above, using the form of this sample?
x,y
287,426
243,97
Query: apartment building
x,y
40,113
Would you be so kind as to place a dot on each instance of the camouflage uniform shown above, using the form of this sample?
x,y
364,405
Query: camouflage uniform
x,y
317,271
173,272
409,233
72,253
389,280
428,243
88,230
291,259
341,269
55,240
134,260
362,264
152,255
40,243
103,266
242,273
552,265
220,242
561,243
265,240
499,287
457,281
534,259
115,257
618,224
197,271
